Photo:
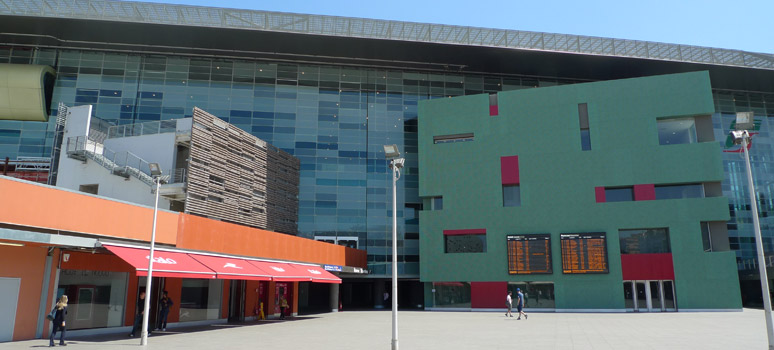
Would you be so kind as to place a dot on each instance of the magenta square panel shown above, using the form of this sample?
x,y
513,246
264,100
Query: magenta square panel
x,y
600,192
475,231
645,192
509,170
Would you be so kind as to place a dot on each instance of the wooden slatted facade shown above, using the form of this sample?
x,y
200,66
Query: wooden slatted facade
x,y
236,177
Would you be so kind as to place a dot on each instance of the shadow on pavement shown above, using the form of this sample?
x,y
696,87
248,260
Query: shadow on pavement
x,y
87,339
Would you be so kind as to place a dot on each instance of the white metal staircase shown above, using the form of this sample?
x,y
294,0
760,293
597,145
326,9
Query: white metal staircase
x,y
124,164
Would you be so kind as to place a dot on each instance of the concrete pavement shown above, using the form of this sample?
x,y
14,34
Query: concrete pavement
x,y
358,330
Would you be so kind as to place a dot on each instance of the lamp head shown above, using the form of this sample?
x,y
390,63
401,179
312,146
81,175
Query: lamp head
x,y
745,121
155,169
391,151
739,135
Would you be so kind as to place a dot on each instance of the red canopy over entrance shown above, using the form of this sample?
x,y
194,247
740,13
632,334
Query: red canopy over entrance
x,y
318,274
192,265
165,264
232,268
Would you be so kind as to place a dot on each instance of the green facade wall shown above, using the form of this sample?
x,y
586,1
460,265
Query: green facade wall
x,y
558,180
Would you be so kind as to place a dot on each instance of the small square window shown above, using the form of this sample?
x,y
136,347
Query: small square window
x,y
511,196
677,131
436,203
585,139
465,243
619,194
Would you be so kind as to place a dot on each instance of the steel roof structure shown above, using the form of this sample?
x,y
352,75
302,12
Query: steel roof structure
x,y
197,16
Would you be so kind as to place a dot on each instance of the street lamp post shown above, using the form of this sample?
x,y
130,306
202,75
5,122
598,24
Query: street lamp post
x,y
155,171
391,152
744,122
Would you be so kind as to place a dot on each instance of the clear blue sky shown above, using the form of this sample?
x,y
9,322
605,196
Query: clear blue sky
x,y
741,24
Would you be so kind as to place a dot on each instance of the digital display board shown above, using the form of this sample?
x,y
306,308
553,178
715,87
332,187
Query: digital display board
x,y
529,254
584,252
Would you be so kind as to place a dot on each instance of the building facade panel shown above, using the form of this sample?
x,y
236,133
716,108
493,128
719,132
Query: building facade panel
x,y
558,183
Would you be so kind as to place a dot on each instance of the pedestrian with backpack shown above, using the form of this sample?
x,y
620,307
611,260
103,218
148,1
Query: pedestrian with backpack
x,y
58,315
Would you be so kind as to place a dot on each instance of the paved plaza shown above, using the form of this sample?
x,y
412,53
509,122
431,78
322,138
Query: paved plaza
x,y
458,330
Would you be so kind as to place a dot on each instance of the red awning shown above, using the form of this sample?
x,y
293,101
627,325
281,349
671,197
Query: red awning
x,y
282,272
289,272
318,274
232,268
165,264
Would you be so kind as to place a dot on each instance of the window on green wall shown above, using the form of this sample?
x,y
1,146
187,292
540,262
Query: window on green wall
x,y
465,243
679,191
677,131
644,241
511,196
436,203
619,194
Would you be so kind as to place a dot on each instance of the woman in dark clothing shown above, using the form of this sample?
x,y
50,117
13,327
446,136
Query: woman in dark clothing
x,y
59,321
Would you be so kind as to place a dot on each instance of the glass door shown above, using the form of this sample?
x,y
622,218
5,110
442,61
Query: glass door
x,y
656,296
669,296
628,295
641,294
649,296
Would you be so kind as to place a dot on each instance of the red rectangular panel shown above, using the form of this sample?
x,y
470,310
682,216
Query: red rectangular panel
x,y
644,192
493,110
282,272
477,231
165,264
647,266
232,268
488,294
600,192
509,170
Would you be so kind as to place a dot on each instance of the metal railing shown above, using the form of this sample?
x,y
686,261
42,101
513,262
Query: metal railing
x,y
152,13
177,176
28,163
139,129
119,163
98,129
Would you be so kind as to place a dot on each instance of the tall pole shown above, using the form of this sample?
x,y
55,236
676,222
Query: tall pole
x,y
146,309
759,244
394,256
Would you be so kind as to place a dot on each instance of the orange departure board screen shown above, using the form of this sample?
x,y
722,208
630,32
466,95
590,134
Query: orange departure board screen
x,y
584,253
529,254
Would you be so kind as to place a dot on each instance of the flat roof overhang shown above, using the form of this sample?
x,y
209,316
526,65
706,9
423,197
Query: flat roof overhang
x,y
377,53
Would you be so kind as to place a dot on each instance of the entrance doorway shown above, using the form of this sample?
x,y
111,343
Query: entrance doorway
x,y
649,296
236,301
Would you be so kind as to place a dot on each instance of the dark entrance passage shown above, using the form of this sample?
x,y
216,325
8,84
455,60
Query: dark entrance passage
x,y
313,298
236,301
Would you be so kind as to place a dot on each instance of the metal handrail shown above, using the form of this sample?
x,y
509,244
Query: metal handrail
x,y
139,129
124,162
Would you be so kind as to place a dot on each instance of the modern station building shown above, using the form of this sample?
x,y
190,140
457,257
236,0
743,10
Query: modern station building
x,y
331,91
594,196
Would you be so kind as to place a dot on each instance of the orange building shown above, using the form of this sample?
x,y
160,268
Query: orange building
x,y
94,250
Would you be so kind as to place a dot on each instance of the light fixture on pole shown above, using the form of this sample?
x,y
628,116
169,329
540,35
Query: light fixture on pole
x,y
155,172
741,136
396,163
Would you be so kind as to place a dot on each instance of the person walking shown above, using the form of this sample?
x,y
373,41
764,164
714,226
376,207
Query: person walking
x,y
283,306
164,304
59,321
138,315
520,304
508,304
